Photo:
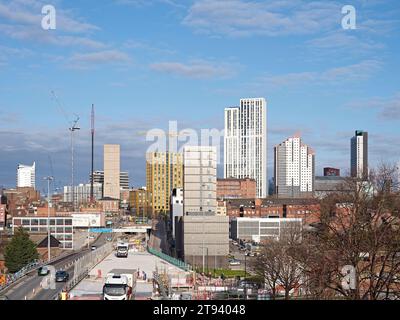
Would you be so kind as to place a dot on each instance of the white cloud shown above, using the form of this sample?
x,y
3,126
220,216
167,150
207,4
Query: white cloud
x,y
388,108
87,60
273,18
358,71
21,20
195,69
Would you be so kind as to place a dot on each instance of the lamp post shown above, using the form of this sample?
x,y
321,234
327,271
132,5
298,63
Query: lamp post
x,y
245,276
48,218
73,128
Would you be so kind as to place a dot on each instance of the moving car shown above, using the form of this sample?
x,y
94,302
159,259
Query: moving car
x,y
234,262
94,248
43,271
62,276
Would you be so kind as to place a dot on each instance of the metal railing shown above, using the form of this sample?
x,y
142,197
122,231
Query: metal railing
x,y
36,264
174,261
86,263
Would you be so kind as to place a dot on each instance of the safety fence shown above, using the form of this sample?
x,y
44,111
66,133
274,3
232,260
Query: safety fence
x,y
86,263
8,279
174,261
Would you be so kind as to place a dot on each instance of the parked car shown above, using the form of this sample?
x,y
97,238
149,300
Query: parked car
x,y
94,248
43,271
62,276
234,262
249,285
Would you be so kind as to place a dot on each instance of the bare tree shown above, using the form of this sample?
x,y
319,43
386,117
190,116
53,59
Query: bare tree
x,y
278,264
360,228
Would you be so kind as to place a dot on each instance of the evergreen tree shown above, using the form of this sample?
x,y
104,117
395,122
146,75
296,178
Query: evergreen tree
x,y
20,251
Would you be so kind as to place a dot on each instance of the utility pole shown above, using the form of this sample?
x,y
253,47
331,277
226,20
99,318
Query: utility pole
x,y
73,128
48,218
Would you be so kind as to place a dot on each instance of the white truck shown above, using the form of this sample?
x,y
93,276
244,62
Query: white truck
x,y
122,250
120,285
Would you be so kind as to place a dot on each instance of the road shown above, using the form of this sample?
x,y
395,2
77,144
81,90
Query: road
x,y
245,262
29,287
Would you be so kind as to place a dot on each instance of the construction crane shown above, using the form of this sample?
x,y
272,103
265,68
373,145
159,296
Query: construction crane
x,y
73,126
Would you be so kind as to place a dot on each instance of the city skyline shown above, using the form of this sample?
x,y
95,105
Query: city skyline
x,y
117,63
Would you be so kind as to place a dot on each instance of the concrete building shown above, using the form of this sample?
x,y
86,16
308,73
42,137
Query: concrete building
x,y
82,193
245,143
60,227
263,229
236,188
200,179
294,169
176,207
123,179
164,172
329,184
205,240
26,176
359,155
88,220
112,171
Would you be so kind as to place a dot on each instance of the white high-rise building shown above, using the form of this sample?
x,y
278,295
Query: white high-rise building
x,y
359,155
26,176
200,179
294,169
82,193
245,143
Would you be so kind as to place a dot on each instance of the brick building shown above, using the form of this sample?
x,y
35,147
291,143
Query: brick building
x,y
307,209
236,188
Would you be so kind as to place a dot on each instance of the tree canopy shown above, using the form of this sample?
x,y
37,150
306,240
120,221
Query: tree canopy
x,y
20,251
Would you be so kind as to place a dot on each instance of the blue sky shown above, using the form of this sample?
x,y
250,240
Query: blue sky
x,y
143,63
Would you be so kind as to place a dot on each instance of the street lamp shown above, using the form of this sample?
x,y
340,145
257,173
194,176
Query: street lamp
x,y
73,128
48,217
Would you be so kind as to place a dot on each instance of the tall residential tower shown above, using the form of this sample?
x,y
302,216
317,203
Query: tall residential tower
x,y
359,155
26,176
294,169
164,172
245,143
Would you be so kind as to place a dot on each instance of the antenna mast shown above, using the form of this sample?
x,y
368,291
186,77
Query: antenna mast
x,y
92,175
